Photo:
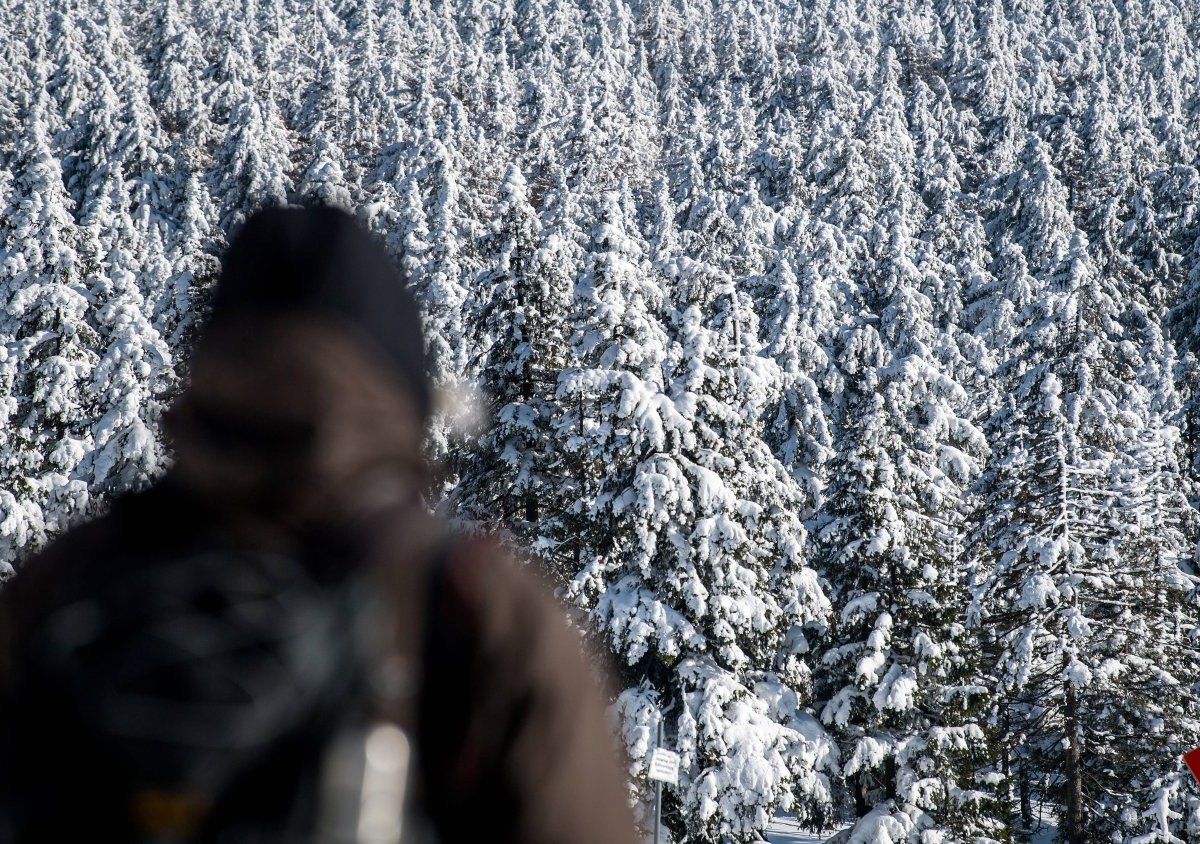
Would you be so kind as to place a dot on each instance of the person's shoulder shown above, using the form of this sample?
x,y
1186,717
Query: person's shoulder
x,y
37,588
492,572
44,566
510,598
142,519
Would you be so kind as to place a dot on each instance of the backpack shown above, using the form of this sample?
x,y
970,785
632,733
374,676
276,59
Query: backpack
x,y
222,694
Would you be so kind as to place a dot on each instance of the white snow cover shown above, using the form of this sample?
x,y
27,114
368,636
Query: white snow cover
x,y
840,374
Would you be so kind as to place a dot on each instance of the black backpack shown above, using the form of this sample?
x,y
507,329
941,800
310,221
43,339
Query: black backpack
x,y
199,697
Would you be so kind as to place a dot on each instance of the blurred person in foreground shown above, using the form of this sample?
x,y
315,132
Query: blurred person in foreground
x,y
241,653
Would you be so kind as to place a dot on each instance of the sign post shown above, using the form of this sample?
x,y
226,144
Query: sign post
x,y
657,785
664,767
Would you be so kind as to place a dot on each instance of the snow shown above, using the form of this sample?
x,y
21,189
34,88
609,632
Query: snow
x,y
1045,830
787,830
851,371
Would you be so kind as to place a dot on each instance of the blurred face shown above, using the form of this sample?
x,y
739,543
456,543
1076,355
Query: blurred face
x,y
298,415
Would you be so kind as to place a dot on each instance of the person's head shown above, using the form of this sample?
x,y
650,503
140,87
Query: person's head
x,y
308,390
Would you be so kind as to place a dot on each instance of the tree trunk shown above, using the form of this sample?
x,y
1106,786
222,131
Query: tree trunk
x,y
861,804
1006,769
1074,821
1026,798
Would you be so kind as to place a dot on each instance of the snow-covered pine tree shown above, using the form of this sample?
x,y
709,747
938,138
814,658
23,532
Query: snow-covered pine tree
x,y
1054,564
179,93
9,109
451,261
122,258
254,162
693,568
49,339
322,118
1146,691
371,120
993,84
798,323
899,681
621,346
558,263
193,254
509,473
1160,528
178,90
742,582
71,73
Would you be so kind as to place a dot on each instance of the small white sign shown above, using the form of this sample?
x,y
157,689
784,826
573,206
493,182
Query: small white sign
x,y
664,766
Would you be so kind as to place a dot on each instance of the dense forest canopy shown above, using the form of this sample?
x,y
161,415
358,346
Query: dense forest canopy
x,y
840,357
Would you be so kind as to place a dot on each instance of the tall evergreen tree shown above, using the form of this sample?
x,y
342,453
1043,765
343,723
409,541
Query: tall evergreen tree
x,y
1053,556
509,479
693,567
49,336
900,681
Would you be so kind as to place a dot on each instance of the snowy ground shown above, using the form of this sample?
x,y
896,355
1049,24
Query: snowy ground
x,y
1046,827
787,831
1045,835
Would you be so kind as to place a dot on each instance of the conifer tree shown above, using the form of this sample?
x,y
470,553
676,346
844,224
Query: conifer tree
x,y
50,339
371,116
193,251
900,685
693,568
510,478
1053,550
69,83
133,371
450,261
176,88
797,325
255,161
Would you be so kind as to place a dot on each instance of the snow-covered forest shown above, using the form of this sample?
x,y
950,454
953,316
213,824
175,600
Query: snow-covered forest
x,y
840,355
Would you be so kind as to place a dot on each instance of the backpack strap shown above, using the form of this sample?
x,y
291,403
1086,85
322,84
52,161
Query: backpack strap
x,y
447,693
